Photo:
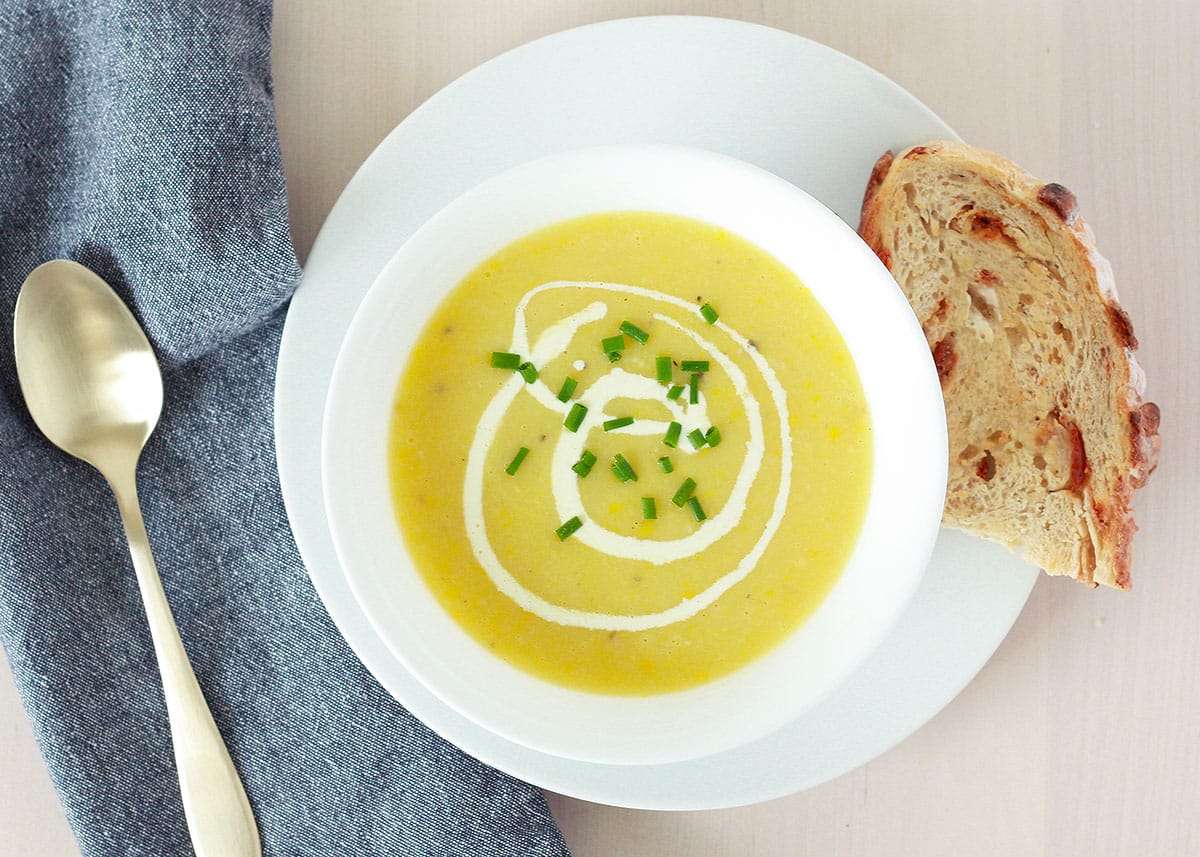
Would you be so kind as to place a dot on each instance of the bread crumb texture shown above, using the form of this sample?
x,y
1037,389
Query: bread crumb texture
x,y
1049,437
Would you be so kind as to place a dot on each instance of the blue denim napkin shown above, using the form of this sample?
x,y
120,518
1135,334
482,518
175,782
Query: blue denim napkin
x,y
138,137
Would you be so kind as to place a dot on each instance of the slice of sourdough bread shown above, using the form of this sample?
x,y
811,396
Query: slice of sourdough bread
x,y
1048,433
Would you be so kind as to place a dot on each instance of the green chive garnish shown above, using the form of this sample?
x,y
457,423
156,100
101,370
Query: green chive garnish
x,y
613,356
697,510
634,332
528,372
513,465
675,392
568,387
587,460
685,491
505,360
696,437
617,422
649,512
612,343
713,436
665,464
710,314
694,365
671,438
694,390
622,469
568,528
575,417
662,368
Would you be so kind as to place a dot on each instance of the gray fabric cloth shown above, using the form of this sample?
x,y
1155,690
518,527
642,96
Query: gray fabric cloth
x,y
138,138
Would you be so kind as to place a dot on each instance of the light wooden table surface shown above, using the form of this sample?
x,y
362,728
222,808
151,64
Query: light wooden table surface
x,y
1082,735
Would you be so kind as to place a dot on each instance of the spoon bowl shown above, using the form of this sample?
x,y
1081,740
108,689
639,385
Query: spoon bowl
x,y
93,386
89,376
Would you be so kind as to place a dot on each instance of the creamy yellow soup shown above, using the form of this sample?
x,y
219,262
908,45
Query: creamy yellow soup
x,y
630,453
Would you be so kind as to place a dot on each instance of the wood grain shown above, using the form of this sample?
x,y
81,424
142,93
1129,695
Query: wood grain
x,y
1080,736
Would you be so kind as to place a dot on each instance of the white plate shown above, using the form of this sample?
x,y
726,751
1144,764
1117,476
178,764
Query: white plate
x,y
798,109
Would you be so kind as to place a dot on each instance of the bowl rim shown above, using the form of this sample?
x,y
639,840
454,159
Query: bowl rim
x,y
621,729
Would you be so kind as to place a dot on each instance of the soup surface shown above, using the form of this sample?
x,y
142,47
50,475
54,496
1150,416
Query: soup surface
x,y
630,453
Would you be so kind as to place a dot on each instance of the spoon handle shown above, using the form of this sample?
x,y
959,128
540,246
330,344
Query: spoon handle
x,y
218,814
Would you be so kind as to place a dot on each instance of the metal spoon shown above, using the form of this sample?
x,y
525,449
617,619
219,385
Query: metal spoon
x,y
93,386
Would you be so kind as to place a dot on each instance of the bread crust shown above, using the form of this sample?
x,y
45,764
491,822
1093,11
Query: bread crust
x,y
1104,499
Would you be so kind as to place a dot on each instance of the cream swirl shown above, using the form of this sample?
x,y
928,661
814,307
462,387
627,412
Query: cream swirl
x,y
620,384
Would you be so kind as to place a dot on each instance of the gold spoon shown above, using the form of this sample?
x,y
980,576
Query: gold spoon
x,y
93,386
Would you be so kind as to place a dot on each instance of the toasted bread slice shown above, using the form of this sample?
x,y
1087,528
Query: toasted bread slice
x,y
1048,433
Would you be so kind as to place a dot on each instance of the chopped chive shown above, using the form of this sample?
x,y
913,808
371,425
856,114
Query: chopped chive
x,y
587,460
710,314
634,332
568,528
713,436
685,491
694,390
649,512
513,465
612,343
617,422
671,438
696,437
575,417
568,387
528,372
697,510
505,360
665,464
622,469
694,365
662,368
675,392
613,356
